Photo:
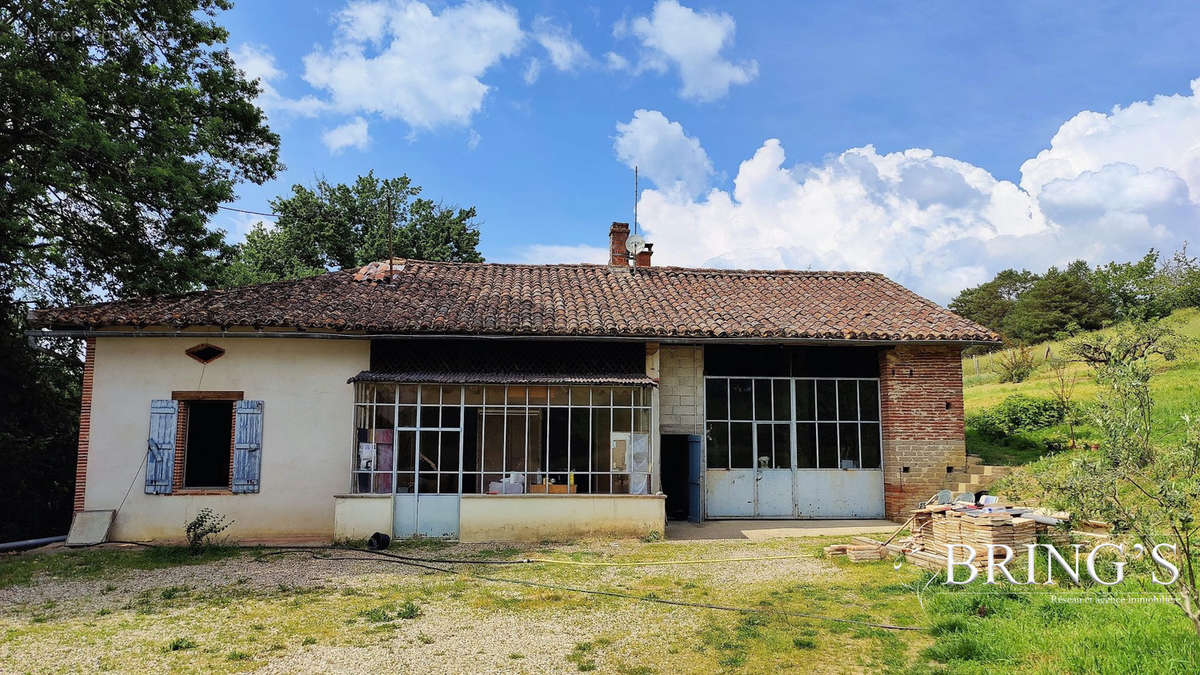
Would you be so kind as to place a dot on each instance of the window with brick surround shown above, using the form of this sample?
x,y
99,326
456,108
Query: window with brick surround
x,y
208,444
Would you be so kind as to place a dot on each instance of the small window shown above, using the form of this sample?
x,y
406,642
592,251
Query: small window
x,y
205,353
209,444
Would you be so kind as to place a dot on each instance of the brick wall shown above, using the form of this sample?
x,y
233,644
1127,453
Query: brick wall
x,y
921,391
681,389
85,422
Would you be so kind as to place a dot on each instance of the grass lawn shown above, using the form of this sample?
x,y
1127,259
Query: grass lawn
x,y
154,610
1174,386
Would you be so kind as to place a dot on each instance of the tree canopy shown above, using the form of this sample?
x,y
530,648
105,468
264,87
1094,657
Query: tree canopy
x,y
331,227
123,126
1030,307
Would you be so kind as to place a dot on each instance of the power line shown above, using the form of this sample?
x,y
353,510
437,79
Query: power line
x,y
253,213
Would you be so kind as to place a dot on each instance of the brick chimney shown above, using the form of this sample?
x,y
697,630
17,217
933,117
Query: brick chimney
x,y
643,256
618,234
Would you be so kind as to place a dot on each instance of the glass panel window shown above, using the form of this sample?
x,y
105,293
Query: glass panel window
x,y
765,439
741,400
868,400
827,446
741,445
871,455
716,399
717,440
783,446
581,431
430,417
806,445
385,393
406,450
847,399
406,416
848,446
782,393
763,409
826,400
806,400
430,438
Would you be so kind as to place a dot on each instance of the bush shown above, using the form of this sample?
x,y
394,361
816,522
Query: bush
x,y
1017,413
206,524
1015,364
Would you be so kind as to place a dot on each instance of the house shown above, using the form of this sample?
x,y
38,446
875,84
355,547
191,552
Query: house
x,y
501,401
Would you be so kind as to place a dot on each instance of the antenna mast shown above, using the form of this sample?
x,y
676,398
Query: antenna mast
x,y
635,197
391,226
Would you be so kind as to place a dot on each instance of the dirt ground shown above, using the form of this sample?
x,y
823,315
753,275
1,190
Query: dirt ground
x,y
299,613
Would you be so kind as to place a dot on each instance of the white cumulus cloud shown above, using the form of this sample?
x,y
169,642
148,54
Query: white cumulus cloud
x,y
258,63
565,52
663,153
1109,187
352,134
674,36
402,60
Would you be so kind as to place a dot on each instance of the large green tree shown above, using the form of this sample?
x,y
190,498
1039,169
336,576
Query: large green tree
x,y
1059,300
337,226
989,303
123,126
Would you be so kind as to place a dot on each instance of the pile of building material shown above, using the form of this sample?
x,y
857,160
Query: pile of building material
x,y
935,528
858,552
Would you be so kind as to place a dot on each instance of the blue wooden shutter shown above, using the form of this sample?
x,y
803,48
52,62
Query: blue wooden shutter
x,y
247,446
160,453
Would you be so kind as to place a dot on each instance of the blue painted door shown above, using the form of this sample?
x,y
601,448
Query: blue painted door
x,y
695,471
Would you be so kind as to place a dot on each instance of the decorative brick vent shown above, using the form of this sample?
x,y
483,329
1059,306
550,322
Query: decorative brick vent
x,y
205,353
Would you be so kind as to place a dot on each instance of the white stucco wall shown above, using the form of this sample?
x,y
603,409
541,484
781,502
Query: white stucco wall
x,y
360,516
307,418
485,518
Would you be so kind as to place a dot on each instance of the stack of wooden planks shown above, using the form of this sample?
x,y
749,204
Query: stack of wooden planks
x,y
859,552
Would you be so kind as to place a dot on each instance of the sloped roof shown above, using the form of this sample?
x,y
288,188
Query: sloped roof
x,y
429,298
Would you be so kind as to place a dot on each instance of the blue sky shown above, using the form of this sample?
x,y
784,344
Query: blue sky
x,y
936,142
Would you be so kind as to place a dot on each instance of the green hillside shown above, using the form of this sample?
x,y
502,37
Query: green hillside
x,y
1176,387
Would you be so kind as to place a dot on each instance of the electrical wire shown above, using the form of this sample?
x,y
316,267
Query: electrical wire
x,y
253,213
425,563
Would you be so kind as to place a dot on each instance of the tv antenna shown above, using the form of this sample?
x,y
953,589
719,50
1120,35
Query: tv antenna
x,y
636,242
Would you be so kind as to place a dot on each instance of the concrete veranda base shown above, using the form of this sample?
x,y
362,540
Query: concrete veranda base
x,y
772,529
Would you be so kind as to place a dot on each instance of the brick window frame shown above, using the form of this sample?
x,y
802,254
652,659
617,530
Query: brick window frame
x,y
181,425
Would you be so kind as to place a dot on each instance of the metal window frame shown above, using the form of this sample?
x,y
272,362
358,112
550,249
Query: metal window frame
x,y
728,419
640,401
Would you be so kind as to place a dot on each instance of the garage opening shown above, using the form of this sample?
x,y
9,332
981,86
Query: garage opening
x,y
792,433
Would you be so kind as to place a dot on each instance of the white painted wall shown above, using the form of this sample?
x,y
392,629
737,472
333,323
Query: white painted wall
x,y
307,429
360,516
485,518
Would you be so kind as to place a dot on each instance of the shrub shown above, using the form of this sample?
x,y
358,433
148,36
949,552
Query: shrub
x,y
1017,413
206,524
1015,364
181,643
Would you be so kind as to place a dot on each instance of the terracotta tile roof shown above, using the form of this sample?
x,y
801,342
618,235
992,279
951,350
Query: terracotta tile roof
x,y
555,300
